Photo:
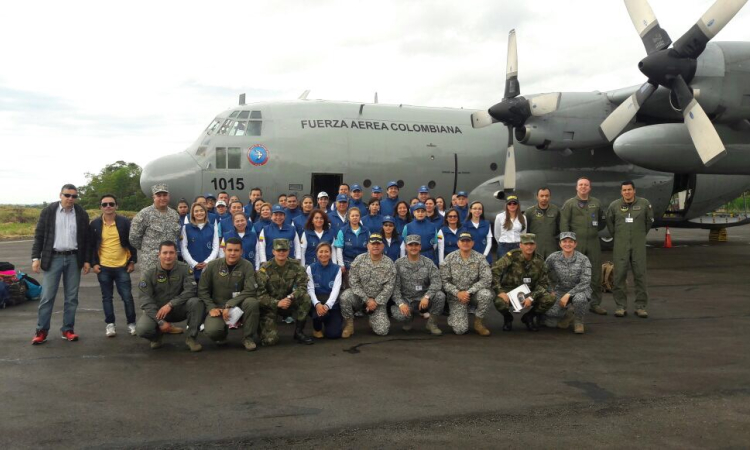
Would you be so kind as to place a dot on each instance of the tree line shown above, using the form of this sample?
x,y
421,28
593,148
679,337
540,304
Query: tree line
x,y
121,179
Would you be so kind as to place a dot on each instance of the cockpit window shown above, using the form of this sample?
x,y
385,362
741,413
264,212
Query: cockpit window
x,y
212,127
228,158
234,114
201,151
225,126
254,128
221,157
238,129
244,115
256,115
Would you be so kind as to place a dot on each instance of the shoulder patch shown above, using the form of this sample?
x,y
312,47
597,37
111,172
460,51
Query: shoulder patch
x,y
142,284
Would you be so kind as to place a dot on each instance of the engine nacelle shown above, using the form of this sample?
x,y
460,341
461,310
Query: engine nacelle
x,y
574,125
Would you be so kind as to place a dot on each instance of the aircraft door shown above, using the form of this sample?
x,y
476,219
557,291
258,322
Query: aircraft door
x,y
328,182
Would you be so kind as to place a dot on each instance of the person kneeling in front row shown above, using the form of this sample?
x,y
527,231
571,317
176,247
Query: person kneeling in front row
x,y
570,273
167,293
227,283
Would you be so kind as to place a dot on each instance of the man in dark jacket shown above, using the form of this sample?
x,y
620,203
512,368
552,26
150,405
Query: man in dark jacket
x,y
60,250
113,259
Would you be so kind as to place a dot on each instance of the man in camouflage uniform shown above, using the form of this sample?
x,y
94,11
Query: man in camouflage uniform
x,y
466,281
522,266
372,277
284,281
153,225
543,220
168,294
570,274
584,215
226,283
417,287
628,221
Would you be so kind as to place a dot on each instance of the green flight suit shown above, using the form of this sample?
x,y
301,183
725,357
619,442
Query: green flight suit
x,y
513,270
629,225
279,282
221,287
586,219
176,287
545,224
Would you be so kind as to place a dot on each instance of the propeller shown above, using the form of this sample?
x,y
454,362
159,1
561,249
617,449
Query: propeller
x,y
674,68
513,110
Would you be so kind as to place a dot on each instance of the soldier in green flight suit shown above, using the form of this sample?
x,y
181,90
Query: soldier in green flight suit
x,y
227,283
585,216
522,266
543,220
284,282
628,220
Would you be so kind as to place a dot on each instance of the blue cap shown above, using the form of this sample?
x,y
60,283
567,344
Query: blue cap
x,y
417,206
209,195
342,198
377,189
423,190
389,219
278,209
392,183
356,187
461,194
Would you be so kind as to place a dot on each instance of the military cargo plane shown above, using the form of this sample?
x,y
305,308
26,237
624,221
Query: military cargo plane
x,y
683,137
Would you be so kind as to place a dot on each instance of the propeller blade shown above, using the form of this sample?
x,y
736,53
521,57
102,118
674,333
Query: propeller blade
x,y
653,36
509,180
621,117
702,131
512,87
544,104
693,42
481,119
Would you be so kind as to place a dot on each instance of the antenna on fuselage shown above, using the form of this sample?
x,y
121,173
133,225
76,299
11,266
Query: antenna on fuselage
x,y
376,97
242,99
304,95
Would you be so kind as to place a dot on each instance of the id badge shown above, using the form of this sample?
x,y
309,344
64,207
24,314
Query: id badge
x,y
628,220
235,294
594,223
527,280
417,288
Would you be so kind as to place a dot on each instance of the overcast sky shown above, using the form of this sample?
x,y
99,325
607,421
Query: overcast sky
x,y
85,84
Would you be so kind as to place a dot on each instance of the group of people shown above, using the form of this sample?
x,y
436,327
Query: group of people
x,y
219,263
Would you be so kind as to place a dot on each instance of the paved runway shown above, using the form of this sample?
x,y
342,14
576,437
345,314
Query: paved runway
x,y
680,379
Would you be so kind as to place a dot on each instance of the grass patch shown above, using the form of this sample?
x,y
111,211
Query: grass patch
x,y
20,221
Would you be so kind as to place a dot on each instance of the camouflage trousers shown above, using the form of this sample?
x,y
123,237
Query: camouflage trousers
x,y
459,315
299,309
437,303
379,322
540,305
579,303
217,330
193,310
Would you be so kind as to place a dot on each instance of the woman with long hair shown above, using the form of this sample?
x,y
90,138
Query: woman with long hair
x,y
391,239
264,217
509,225
448,234
373,221
440,205
317,229
402,215
199,240
480,229
432,213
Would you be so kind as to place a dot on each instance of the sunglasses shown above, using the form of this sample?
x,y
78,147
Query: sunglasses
x,y
513,203
388,225
70,195
452,217
110,204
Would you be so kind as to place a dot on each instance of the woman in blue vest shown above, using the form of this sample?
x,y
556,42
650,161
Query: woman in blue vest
x,y
432,213
226,224
199,240
448,234
324,285
425,229
316,230
299,222
440,205
373,221
264,218
248,237
351,240
278,229
479,229
391,239
402,215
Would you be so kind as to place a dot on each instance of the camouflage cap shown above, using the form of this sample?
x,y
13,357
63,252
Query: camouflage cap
x,y
568,235
161,187
528,238
413,239
281,244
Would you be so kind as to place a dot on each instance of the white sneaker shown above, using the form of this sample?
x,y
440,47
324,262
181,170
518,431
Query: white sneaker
x,y
131,328
111,330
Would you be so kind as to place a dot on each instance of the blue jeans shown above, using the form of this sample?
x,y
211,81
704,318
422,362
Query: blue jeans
x,y
117,276
65,266
505,247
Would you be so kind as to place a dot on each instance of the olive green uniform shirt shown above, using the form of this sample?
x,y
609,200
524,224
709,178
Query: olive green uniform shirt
x,y
219,288
159,287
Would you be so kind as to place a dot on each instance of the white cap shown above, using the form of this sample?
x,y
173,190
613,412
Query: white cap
x,y
322,194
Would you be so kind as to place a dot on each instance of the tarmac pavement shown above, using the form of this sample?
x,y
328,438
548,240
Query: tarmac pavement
x,y
679,379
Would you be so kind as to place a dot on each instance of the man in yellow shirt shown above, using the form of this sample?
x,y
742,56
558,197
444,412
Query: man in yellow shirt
x,y
112,258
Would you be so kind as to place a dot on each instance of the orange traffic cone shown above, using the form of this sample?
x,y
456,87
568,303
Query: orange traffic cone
x,y
668,239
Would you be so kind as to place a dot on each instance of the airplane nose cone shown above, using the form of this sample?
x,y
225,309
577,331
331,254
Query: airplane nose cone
x,y
179,172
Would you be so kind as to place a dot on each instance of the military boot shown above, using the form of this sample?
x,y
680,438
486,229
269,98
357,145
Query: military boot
x,y
193,345
578,327
564,323
348,328
620,312
640,312
507,321
598,310
158,341
249,345
480,328
318,334
432,326
299,333
528,320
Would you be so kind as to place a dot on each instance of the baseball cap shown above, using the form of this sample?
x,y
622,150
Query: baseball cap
x,y
356,187
461,194
281,244
424,190
413,239
568,235
528,238
322,194
278,209
209,195
377,189
392,183
389,219
221,203
465,236
342,198
161,187
417,206
375,238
